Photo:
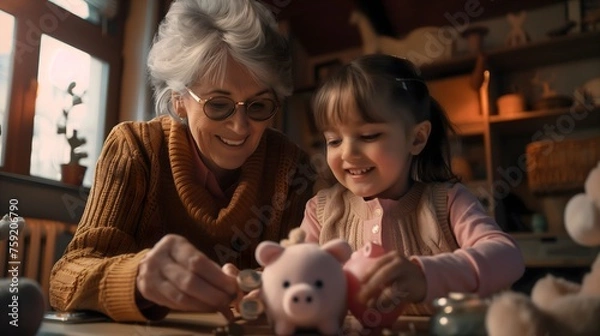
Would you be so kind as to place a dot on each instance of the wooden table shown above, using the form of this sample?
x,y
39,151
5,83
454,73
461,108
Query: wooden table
x,y
182,324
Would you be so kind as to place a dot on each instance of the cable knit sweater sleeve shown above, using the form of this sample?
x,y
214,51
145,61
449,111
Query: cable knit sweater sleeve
x,y
98,269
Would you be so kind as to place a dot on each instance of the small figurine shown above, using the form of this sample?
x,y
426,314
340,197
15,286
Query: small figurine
x,y
304,285
517,35
421,46
550,98
383,314
547,91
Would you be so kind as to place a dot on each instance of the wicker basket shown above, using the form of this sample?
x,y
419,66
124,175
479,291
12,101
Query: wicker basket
x,y
561,166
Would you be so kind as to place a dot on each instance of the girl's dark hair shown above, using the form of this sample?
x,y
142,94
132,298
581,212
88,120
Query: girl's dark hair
x,y
382,88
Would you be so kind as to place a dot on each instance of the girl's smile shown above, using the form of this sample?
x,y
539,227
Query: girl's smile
x,y
370,159
359,172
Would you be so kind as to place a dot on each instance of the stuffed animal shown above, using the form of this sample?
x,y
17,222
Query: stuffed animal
x,y
582,214
557,306
302,286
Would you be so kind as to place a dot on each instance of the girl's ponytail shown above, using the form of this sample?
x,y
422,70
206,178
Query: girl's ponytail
x,y
433,163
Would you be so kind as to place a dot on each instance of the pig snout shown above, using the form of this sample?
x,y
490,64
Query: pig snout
x,y
301,302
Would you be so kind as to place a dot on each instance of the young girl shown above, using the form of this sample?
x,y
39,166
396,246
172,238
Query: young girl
x,y
387,146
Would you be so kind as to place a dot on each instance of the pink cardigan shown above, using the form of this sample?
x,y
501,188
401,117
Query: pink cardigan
x,y
487,261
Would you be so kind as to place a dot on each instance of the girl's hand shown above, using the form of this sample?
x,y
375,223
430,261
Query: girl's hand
x,y
393,279
176,275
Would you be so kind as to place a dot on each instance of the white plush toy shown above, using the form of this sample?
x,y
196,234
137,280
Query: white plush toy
x,y
557,306
582,214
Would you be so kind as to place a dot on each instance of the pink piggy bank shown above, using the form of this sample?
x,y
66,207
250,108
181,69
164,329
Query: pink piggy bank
x,y
381,315
304,285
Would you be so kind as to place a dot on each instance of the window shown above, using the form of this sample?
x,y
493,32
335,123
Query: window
x,y
77,7
70,99
95,11
7,24
48,45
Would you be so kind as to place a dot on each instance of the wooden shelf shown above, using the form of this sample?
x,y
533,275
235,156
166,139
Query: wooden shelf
x,y
546,52
558,262
535,54
539,235
580,117
469,128
40,181
554,250
505,136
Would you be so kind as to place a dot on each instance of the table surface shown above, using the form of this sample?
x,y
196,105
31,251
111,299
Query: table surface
x,y
188,324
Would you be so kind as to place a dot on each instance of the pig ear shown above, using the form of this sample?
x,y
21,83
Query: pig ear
x,y
339,249
267,252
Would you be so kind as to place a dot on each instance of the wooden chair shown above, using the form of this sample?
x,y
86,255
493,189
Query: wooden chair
x,y
37,250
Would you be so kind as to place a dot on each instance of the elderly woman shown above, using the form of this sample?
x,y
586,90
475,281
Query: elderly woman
x,y
197,187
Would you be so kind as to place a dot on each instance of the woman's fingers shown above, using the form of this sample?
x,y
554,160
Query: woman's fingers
x,y
198,263
176,275
197,291
230,270
180,300
158,289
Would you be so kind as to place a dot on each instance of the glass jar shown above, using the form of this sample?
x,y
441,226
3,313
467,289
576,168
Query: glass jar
x,y
459,314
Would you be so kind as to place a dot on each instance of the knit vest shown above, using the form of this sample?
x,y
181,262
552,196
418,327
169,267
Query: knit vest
x,y
421,216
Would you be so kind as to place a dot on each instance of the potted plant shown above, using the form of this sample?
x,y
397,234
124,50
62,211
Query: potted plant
x,y
72,172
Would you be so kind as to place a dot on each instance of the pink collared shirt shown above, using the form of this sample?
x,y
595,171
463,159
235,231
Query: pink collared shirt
x,y
205,176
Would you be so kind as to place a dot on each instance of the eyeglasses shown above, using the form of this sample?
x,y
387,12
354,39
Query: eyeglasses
x,y
221,107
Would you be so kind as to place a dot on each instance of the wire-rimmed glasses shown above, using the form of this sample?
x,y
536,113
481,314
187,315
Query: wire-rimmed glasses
x,y
222,107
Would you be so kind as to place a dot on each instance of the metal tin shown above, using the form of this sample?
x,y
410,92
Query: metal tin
x,y
459,314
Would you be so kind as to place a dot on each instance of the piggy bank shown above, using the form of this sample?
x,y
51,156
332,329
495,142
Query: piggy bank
x,y
382,314
304,285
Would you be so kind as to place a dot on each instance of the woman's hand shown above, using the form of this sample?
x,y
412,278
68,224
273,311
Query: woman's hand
x,y
176,275
232,271
253,294
393,279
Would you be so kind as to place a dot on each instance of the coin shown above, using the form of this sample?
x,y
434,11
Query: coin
x,y
249,280
251,308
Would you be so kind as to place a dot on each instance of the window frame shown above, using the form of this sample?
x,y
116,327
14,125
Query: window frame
x,y
32,19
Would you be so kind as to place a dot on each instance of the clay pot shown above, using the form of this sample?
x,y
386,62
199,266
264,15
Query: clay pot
x,y
72,174
379,316
511,104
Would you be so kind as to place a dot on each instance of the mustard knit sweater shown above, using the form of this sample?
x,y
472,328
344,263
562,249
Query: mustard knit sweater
x,y
145,187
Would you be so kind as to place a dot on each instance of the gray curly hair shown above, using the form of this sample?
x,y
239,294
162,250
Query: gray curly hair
x,y
197,36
